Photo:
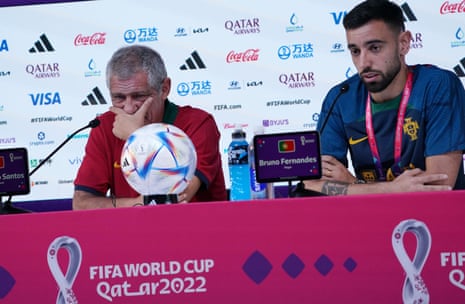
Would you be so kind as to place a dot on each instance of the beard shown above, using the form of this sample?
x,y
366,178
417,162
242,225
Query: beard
x,y
386,79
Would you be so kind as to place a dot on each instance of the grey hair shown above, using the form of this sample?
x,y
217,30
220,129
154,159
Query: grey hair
x,y
130,60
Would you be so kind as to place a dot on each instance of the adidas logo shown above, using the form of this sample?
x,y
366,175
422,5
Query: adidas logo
x,y
42,45
459,70
408,13
94,98
193,63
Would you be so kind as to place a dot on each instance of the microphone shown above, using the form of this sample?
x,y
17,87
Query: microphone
x,y
344,88
300,190
92,124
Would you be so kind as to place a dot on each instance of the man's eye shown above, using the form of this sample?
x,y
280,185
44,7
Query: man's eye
x,y
117,99
140,97
375,48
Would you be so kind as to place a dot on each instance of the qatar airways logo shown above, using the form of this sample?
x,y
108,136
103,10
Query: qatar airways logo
x,y
298,80
243,26
452,8
246,56
94,39
44,70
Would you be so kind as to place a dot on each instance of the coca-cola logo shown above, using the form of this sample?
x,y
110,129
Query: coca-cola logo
x,y
94,39
452,8
248,55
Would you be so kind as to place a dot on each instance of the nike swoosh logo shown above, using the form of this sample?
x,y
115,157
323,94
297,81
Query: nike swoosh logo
x,y
356,141
116,165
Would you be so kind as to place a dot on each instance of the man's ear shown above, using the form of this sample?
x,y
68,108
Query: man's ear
x,y
404,42
165,88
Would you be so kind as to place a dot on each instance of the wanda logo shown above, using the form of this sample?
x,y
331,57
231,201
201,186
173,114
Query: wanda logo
x,y
248,55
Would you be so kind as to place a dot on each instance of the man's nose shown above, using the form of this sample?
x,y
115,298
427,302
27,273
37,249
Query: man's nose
x,y
130,106
364,61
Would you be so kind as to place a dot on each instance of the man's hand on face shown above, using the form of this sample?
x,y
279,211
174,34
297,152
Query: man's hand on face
x,y
125,124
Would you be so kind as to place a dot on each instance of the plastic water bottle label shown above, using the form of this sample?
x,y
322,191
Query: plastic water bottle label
x,y
238,155
256,186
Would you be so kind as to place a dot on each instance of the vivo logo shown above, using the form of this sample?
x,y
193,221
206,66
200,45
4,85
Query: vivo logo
x,y
75,161
49,98
338,16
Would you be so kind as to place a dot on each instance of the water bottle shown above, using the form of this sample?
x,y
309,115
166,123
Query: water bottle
x,y
257,190
238,163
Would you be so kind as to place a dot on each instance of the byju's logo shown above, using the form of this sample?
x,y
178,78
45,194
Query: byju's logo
x,y
94,98
42,45
45,99
194,62
296,51
275,122
459,70
3,46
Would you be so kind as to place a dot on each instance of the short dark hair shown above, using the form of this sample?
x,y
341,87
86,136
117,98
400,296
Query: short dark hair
x,y
369,10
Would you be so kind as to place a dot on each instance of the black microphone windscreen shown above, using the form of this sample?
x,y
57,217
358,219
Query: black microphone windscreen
x,y
94,123
345,88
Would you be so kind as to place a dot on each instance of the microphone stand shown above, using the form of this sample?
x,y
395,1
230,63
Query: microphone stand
x,y
300,191
92,124
7,207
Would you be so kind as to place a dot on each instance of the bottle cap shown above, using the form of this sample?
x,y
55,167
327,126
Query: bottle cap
x,y
238,133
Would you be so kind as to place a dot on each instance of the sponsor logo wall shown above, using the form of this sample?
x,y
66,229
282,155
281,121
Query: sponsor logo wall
x,y
247,63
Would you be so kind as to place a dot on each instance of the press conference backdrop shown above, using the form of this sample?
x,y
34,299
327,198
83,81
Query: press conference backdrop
x,y
250,63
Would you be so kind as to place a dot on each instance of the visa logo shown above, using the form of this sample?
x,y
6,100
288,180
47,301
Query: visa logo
x,y
49,98
3,46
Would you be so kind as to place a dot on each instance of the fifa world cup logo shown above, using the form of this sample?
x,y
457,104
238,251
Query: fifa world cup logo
x,y
65,281
414,290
